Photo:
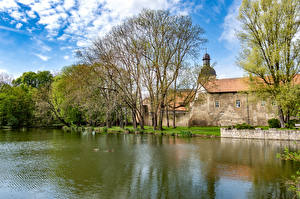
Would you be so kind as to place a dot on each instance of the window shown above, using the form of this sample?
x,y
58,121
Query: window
x,y
217,104
238,103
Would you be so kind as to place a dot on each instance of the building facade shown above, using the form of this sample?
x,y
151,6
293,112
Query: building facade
x,y
223,102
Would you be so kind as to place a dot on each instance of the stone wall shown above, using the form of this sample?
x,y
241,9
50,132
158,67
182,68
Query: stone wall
x,y
205,113
261,134
250,111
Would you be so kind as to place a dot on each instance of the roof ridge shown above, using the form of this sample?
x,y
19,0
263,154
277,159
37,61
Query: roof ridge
x,y
232,78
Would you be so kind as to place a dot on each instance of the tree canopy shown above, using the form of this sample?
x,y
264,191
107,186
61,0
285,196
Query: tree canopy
x,y
270,49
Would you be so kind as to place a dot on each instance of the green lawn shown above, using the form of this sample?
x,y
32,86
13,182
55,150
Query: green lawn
x,y
194,130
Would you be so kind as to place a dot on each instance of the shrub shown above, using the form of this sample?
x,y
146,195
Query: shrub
x,y
274,123
186,134
127,130
73,127
243,126
291,124
138,130
104,129
65,128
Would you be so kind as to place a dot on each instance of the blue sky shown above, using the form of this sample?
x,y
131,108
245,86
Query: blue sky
x,y
43,34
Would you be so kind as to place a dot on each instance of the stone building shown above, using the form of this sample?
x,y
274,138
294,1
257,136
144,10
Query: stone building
x,y
223,102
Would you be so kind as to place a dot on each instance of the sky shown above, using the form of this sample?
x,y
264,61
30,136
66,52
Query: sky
x,y
38,35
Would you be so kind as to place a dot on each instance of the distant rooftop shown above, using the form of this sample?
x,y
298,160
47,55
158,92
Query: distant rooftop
x,y
233,84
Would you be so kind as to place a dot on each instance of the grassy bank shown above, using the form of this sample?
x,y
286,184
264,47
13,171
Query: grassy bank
x,y
180,131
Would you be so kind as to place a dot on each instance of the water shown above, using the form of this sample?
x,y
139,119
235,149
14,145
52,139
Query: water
x,y
54,164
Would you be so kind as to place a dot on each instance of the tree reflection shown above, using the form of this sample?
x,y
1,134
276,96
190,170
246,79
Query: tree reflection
x,y
137,166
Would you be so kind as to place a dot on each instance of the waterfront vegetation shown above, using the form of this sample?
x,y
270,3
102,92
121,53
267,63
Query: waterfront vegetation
x,y
178,131
294,182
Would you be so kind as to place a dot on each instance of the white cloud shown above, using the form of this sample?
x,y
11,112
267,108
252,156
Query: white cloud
x,y
65,47
8,29
42,57
31,14
8,5
19,25
68,4
41,45
66,57
231,24
3,70
84,20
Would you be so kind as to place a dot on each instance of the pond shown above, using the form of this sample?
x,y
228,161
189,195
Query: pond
x,y
52,164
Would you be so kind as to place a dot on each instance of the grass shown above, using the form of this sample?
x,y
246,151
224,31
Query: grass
x,y
211,131
267,128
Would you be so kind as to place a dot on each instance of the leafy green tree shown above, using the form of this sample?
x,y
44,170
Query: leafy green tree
x,y
16,107
270,48
34,80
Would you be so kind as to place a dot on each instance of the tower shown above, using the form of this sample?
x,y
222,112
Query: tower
x,y
207,70
206,60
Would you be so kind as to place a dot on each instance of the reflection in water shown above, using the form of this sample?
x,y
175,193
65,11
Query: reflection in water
x,y
53,164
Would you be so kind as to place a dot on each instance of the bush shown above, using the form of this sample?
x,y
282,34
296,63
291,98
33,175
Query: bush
x,y
127,130
138,130
274,123
66,128
73,127
104,129
243,126
291,124
186,134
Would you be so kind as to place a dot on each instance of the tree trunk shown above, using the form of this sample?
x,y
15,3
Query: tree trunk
x,y
154,120
134,120
142,120
174,104
121,121
142,124
161,115
281,117
167,115
108,120
126,121
174,118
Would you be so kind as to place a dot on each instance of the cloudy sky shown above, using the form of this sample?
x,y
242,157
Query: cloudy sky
x,y
43,34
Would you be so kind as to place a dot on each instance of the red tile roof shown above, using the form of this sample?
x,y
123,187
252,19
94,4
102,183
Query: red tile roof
x,y
233,84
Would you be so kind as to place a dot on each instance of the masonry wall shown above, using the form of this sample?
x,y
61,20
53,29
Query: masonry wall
x,y
204,112
261,134
253,112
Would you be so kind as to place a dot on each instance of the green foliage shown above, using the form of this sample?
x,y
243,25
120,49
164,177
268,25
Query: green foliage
x,y
16,107
270,51
291,124
66,128
288,155
34,80
294,182
104,129
274,123
138,130
185,133
243,126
